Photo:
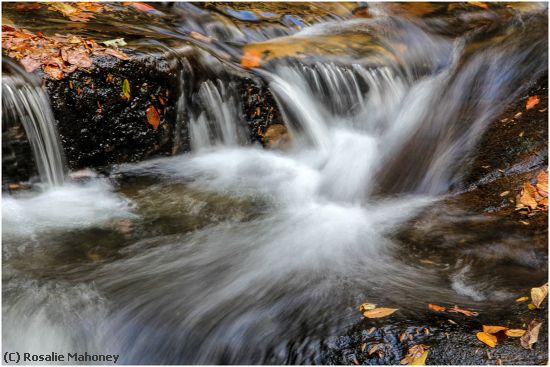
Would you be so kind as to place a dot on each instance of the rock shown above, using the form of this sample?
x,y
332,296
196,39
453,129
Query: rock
x,y
277,137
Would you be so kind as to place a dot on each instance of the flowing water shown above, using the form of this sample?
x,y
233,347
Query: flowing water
x,y
237,254
23,100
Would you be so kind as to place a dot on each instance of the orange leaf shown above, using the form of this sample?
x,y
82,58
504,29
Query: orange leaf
x,y
527,196
462,311
515,333
140,6
493,329
479,4
532,102
486,338
153,117
436,308
251,59
379,312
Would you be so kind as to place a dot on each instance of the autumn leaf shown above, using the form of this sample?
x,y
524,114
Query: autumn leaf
x,y
126,89
532,335
526,198
379,312
487,338
436,308
515,333
462,311
140,6
421,361
416,355
531,306
532,102
373,349
366,307
539,294
493,329
251,59
27,6
522,299
479,4
153,117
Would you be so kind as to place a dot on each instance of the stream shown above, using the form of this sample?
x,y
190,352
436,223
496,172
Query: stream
x,y
234,253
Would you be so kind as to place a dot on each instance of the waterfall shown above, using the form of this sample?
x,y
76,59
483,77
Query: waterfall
x,y
24,101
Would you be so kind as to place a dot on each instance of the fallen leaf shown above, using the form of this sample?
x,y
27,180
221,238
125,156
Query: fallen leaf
x,y
421,361
27,6
415,355
363,346
126,89
462,311
522,299
479,4
532,102
251,59
116,43
539,294
366,306
379,312
531,336
54,71
504,193
373,349
116,53
402,337
531,306
526,198
489,329
487,338
515,333
436,308
140,6
153,117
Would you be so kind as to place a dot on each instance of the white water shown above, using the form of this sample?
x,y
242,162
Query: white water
x,y
26,102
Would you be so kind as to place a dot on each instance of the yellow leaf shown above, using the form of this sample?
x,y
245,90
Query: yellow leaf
x,y
486,338
539,294
366,307
531,306
527,196
515,333
379,312
126,89
493,329
420,361
522,299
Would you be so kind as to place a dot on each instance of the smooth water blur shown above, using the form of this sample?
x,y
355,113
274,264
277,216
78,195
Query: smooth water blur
x,y
25,102
237,254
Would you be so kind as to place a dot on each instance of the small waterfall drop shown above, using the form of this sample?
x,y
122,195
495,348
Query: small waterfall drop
x,y
24,101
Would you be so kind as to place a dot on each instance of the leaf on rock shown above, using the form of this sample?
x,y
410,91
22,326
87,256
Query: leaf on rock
x,y
115,43
531,306
539,294
153,117
532,335
526,198
522,299
379,312
487,338
116,53
436,308
421,361
479,4
462,311
126,90
416,355
532,102
489,329
54,71
515,333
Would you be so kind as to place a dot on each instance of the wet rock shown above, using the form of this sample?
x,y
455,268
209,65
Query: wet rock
x,y
277,137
